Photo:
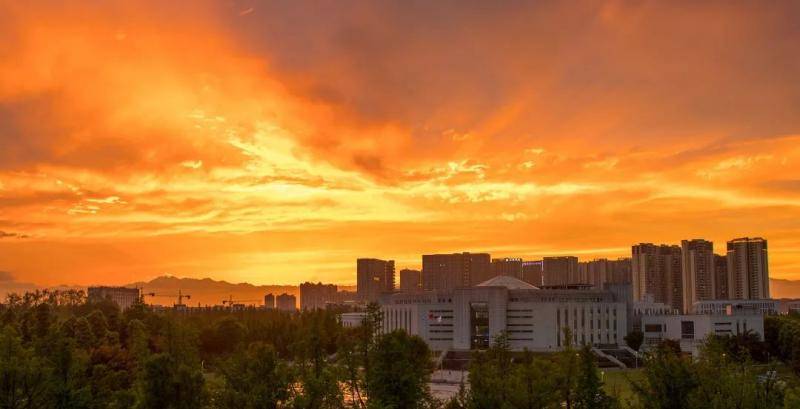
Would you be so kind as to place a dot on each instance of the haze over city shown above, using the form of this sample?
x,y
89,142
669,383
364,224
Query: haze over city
x,y
277,142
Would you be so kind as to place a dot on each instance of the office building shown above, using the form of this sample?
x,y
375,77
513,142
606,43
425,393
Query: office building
x,y
656,270
122,296
410,280
697,266
286,302
532,272
269,301
511,267
374,277
560,271
748,269
721,277
450,271
469,318
317,296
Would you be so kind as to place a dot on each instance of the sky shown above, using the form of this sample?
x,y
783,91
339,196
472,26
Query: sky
x,y
276,142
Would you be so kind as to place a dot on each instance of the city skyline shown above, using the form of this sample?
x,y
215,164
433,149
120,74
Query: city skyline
x,y
277,142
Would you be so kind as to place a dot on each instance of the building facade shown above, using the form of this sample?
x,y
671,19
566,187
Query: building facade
x,y
697,264
122,296
560,271
286,302
317,296
511,267
721,277
737,307
656,270
410,280
469,318
692,330
269,301
532,272
374,277
748,269
451,271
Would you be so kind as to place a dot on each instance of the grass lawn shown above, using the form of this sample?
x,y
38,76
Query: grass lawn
x,y
618,382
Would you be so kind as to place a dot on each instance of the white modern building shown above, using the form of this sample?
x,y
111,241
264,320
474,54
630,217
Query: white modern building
x,y
737,307
533,318
352,319
692,330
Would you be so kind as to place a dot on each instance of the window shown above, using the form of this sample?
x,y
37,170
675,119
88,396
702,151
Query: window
x,y
652,328
687,329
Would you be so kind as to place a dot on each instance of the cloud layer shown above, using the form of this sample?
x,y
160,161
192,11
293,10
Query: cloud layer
x,y
278,141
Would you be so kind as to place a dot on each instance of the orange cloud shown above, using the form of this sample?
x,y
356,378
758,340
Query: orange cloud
x,y
276,142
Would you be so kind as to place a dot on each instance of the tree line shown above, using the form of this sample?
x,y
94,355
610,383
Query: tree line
x,y
57,350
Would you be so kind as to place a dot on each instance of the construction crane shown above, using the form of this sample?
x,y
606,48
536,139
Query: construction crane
x,y
180,296
231,302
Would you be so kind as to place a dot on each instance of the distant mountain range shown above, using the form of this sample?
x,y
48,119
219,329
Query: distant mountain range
x,y
210,292
207,291
781,288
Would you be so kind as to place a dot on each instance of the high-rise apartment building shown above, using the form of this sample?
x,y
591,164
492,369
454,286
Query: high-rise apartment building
x,y
697,265
286,302
269,301
450,271
560,271
619,271
317,296
656,270
594,272
122,296
374,277
721,277
511,267
602,271
410,280
532,272
748,269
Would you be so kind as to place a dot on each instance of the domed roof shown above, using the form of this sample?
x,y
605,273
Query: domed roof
x,y
509,282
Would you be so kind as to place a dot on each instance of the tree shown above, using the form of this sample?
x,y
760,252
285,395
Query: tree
x,y
399,373
23,376
634,340
669,380
566,376
590,393
320,381
489,387
170,384
532,384
255,379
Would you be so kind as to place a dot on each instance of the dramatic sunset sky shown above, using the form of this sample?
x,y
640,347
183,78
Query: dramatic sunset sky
x,y
276,142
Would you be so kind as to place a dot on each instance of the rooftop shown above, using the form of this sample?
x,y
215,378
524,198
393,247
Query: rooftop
x,y
509,282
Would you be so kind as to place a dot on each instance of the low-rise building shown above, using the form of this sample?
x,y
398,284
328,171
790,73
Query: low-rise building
x,y
737,307
352,319
124,297
692,330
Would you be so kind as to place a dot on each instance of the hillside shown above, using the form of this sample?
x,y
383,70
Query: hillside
x,y
207,291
